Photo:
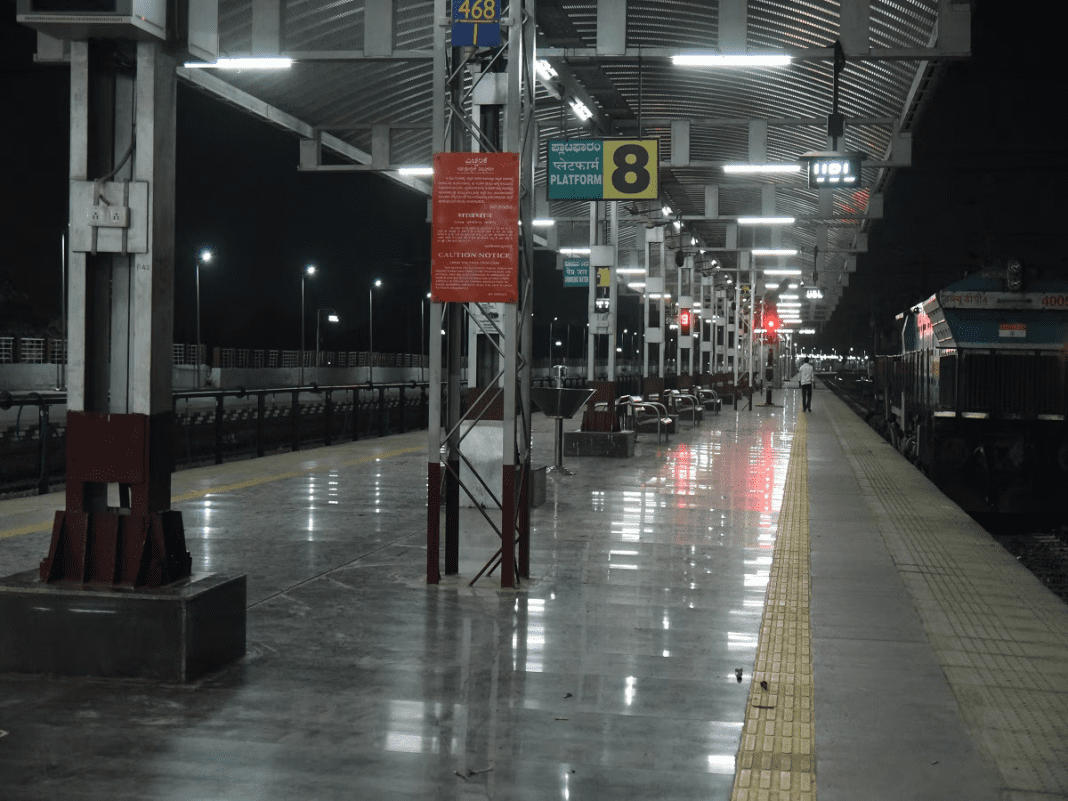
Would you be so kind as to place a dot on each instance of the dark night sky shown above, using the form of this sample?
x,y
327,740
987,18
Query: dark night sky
x,y
980,187
990,157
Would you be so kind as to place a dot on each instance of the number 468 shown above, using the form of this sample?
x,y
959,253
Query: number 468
x,y
478,9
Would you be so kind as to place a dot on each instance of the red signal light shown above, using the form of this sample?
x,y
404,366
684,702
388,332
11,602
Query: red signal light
x,y
685,318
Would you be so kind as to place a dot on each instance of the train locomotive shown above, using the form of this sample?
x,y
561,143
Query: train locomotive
x,y
977,397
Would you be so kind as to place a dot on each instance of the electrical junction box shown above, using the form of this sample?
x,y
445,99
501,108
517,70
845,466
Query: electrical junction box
x,y
78,20
111,220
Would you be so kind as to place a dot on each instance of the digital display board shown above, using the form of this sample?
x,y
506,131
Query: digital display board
x,y
834,171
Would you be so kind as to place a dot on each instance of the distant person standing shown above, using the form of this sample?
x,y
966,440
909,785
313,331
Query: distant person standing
x,y
806,375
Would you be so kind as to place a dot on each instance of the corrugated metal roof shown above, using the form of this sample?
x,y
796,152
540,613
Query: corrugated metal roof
x,y
333,88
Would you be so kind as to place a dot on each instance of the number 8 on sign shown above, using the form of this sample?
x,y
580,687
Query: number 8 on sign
x,y
631,169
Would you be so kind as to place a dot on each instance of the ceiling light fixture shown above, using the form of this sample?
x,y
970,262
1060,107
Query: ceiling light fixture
x,y
755,168
774,252
416,170
733,60
580,110
766,220
281,63
545,69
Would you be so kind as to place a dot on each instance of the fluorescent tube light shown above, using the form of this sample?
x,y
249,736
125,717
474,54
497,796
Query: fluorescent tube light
x,y
782,272
282,63
765,221
753,168
734,60
774,252
545,69
575,251
630,271
580,110
416,170
543,223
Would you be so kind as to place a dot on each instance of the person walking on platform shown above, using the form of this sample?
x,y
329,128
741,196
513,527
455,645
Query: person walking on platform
x,y
806,375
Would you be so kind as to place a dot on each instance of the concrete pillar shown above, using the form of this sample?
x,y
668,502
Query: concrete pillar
x,y
121,319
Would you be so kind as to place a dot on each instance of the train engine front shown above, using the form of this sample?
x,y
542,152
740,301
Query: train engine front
x,y
977,397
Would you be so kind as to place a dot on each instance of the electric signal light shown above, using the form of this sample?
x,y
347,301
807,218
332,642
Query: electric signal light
x,y
684,321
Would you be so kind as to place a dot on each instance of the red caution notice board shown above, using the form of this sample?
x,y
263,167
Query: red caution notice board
x,y
475,250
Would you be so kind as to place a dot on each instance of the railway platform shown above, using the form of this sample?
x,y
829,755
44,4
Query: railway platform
x,y
772,605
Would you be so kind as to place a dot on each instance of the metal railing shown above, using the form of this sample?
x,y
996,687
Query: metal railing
x,y
42,350
217,426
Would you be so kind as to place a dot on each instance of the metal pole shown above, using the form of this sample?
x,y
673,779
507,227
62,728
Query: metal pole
x,y
61,365
737,349
318,316
371,336
198,327
752,321
300,358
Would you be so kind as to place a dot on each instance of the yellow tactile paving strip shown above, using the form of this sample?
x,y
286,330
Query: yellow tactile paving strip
x,y
262,472
1000,636
776,759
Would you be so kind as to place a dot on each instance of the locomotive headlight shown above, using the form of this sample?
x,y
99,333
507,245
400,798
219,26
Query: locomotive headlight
x,y
1014,275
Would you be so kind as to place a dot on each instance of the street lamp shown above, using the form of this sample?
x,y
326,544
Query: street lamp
x,y
551,339
203,258
371,329
308,270
330,318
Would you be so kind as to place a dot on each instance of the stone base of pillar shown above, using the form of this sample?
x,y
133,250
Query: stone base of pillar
x,y
175,633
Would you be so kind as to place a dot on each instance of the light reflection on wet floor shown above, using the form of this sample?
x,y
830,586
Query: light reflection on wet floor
x,y
611,673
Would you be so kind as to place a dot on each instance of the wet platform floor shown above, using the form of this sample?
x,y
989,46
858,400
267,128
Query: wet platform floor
x,y
611,673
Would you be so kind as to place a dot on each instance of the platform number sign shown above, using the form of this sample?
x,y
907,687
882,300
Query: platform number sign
x,y
476,23
604,169
630,169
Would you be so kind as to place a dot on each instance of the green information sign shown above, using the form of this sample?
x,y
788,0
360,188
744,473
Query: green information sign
x,y
577,272
575,169
603,169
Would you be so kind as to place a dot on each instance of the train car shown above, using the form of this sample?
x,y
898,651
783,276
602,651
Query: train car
x,y
977,397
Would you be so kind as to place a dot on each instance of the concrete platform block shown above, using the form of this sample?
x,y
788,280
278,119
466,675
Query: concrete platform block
x,y
599,443
537,486
174,633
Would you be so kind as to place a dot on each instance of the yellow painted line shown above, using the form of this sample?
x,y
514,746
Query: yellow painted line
x,y
776,757
46,525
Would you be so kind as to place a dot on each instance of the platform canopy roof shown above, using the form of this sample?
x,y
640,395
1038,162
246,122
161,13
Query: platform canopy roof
x,y
362,83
